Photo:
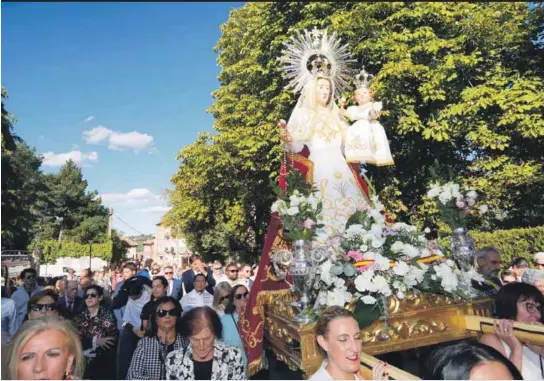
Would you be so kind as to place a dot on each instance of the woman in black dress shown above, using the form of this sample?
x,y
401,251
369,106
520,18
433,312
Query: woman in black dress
x,y
97,327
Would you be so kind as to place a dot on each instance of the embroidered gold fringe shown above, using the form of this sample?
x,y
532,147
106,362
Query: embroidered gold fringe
x,y
263,298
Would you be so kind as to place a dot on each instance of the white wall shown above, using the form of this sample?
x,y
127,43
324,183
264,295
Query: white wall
x,y
77,264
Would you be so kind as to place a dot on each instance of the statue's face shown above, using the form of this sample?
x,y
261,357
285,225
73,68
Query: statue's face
x,y
363,96
323,91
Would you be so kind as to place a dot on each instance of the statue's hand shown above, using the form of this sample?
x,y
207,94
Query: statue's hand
x,y
374,115
285,136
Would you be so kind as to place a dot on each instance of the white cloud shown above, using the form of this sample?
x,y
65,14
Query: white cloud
x,y
133,195
87,120
117,140
51,159
156,209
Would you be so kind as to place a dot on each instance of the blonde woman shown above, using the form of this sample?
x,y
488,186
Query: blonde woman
x,y
339,341
221,297
45,348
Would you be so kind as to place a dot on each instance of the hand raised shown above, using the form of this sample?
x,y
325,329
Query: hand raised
x,y
380,372
504,329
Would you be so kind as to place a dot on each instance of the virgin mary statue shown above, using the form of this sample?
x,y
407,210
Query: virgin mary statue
x,y
316,123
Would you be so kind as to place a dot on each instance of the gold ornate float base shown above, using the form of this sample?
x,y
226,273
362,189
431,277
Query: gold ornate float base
x,y
418,320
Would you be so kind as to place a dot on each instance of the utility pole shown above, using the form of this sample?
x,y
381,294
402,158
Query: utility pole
x,y
110,216
37,250
90,254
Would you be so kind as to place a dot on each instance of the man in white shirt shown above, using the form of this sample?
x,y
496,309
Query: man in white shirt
x,y
218,273
198,297
231,271
23,293
244,274
9,318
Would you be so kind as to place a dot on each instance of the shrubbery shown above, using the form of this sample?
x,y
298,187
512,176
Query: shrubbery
x,y
512,243
53,249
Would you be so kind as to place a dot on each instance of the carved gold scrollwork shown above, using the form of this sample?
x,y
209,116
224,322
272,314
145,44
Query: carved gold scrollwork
x,y
282,306
416,301
402,330
417,320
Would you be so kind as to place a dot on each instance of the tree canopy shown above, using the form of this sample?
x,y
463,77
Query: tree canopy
x,y
46,207
462,90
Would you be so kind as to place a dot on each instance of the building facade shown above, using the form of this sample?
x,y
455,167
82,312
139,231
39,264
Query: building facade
x,y
170,249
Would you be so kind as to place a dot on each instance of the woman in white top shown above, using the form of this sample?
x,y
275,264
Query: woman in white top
x,y
339,341
522,303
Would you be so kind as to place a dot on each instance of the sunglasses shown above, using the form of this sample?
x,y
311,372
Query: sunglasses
x,y
172,312
88,296
233,271
240,296
168,273
30,277
223,298
48,307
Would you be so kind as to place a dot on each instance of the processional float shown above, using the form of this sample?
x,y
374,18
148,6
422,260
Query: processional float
x,y
296,277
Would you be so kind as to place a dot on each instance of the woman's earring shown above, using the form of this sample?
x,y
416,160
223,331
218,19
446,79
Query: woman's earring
x,y
68,375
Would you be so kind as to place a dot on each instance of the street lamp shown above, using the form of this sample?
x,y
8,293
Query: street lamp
x,y
90,254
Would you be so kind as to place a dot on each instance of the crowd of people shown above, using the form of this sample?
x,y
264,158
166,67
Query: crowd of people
x,y
148,322
138,321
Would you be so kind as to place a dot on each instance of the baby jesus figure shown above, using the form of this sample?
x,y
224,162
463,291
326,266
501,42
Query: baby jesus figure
x,y
366,141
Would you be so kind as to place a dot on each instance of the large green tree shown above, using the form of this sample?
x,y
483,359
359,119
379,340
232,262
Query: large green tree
x,y
22,185
73,212
462,90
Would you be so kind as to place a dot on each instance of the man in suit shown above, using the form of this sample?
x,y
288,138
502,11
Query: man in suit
x,y
174,285
197,267
70,304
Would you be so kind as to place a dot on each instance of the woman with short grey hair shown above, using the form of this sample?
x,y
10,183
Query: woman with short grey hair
x,y
535,278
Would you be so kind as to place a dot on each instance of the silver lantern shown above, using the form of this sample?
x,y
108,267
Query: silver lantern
x,y
462,249
302,265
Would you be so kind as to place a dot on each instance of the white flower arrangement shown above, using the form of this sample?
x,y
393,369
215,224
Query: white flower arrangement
x,y
455,204
298,209
388,259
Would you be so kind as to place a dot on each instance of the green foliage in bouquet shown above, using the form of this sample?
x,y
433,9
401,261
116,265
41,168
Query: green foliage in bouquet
x,y
366,314
298,208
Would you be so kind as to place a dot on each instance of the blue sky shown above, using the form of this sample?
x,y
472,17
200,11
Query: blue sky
x,y
119,87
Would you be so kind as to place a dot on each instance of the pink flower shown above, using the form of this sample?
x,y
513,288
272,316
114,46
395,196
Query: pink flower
x,y
308,224
355,255
460,204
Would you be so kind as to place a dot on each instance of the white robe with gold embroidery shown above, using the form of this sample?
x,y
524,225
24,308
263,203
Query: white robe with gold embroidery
x,y
333,178
366,141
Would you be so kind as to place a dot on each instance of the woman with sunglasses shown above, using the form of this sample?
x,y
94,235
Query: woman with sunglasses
x,y
44,303
221,298
518,302
235,308
97,328
162,337
159,287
